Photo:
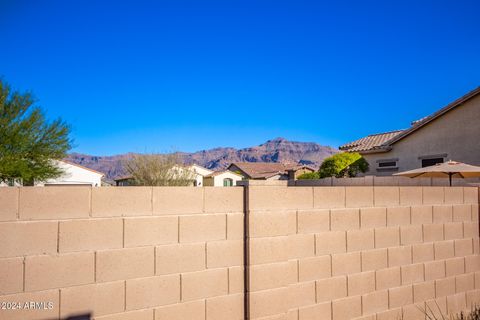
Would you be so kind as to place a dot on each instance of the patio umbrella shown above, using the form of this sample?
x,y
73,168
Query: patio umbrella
x,y
442,170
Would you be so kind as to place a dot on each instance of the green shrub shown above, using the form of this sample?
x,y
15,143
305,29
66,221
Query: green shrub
x,y
309,176
343,165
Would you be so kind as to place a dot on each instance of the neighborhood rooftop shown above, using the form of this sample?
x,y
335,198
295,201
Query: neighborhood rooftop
x,y
259,170
370,142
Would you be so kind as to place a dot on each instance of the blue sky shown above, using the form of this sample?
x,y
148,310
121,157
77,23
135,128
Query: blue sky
x,y
154,76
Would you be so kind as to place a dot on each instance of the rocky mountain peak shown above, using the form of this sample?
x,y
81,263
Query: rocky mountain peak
x,y
274,150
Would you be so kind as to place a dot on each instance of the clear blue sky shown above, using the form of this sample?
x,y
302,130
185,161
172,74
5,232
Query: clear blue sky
x,y
189,75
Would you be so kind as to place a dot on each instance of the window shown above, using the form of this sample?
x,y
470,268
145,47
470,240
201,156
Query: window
x,y
387,165
227,182
431,162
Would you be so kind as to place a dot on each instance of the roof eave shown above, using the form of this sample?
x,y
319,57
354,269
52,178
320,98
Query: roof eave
x,y
370,151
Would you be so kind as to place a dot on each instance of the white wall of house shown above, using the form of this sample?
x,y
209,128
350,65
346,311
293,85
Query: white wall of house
x,y
278,177
200,173
74,175
219,179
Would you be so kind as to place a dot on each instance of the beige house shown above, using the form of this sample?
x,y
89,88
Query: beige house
x,y
451,133
223,178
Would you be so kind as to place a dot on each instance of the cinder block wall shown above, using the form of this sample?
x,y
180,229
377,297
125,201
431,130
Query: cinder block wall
x,y
135,253
362,252
177,253
386,181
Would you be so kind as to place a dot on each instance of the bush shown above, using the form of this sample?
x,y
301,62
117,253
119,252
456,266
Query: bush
x,y
159,170
309,176
343,165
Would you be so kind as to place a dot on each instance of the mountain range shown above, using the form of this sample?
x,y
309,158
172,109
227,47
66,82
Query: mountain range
x,y
276,150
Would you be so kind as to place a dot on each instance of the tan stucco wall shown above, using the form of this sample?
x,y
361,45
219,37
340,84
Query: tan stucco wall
x,y
456,133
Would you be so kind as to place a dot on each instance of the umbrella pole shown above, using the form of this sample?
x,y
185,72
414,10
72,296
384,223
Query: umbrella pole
x,y
450,178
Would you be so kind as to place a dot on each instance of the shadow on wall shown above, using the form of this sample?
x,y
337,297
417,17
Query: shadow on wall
x,y
87,316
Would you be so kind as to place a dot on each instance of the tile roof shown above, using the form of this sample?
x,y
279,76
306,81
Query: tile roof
x,y
123,178
371,142
263,170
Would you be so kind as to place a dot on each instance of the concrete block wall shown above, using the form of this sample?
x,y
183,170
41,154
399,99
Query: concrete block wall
x,y
337,253
386,181
121,253
327,253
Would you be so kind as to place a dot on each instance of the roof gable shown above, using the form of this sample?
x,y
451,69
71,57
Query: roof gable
x,y
383,141
424,121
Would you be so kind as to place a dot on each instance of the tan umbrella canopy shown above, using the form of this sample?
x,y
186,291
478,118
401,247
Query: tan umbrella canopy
x,y
442,170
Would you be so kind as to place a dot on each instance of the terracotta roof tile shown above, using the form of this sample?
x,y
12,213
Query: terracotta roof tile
x,y
370,142
260,170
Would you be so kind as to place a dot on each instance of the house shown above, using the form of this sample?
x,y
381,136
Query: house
x,y
451,133
124,181
269,170
297,170
74,174
224,178
198,173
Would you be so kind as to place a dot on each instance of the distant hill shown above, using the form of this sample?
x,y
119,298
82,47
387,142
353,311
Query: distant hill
x,y
276,150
